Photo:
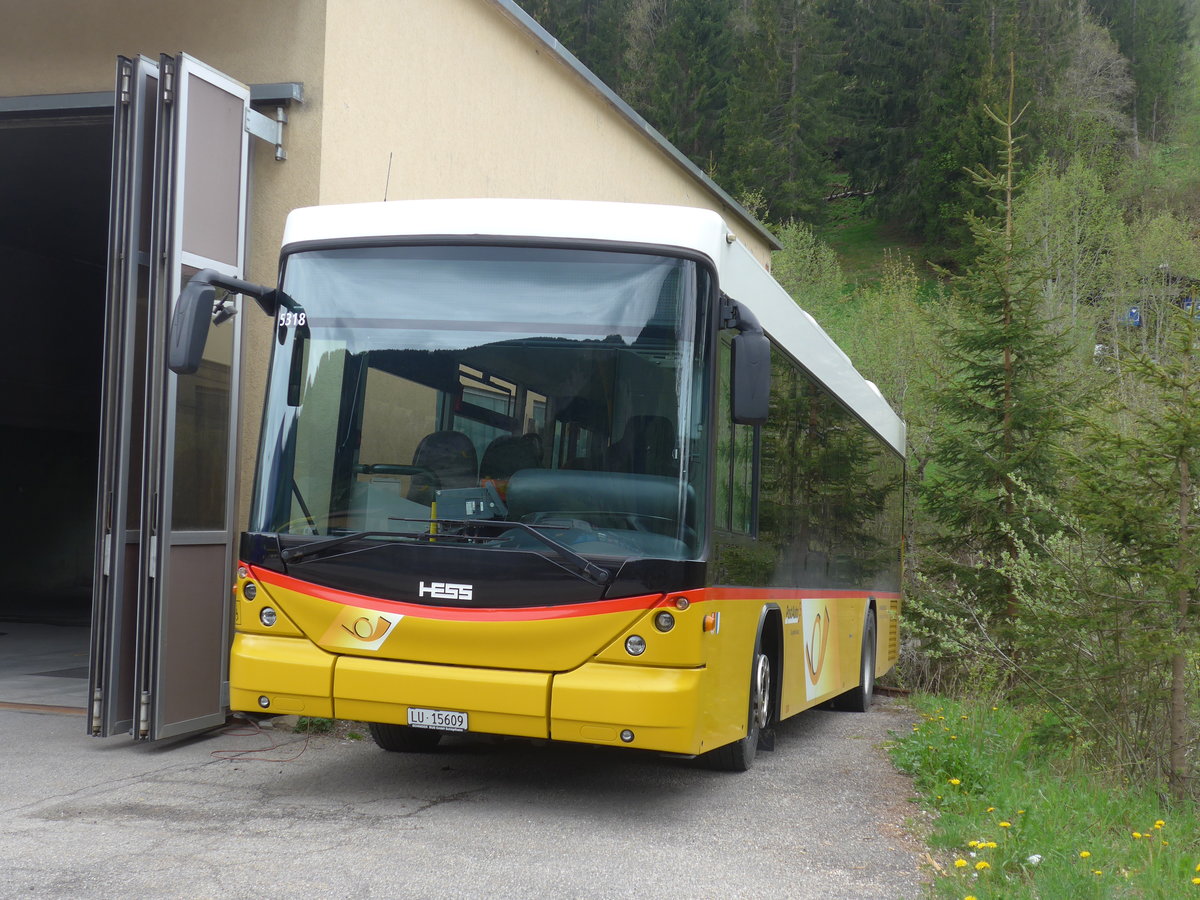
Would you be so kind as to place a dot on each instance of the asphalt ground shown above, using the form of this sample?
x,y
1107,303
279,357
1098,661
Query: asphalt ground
x,y
268,813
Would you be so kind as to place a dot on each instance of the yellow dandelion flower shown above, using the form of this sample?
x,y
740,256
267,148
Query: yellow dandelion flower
x,y
1006,824
969,897
955,782
1097,872
1084,854
964,718
953,737
1159,824
1198,867
991,845
1137,834
972,843
983,864
1196,881
960,864
991,809
1020,812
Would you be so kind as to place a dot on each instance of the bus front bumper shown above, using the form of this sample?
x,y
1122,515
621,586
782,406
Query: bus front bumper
x,y
647,707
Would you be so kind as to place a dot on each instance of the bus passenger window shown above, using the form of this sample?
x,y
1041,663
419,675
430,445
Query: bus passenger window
x,y
734,475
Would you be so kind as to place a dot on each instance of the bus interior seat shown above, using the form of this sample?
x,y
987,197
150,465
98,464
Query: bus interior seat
x,y
647,447
449,457
507,454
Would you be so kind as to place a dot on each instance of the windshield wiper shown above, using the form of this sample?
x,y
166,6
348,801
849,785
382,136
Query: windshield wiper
x,y
574,563
312,548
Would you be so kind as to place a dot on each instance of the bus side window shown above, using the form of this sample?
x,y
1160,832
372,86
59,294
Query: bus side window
x,y
734,475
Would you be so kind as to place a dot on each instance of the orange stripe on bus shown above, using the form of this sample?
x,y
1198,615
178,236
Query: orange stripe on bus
x,y
535,613
480,614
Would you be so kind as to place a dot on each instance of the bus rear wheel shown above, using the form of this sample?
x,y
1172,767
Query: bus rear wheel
x,y
403,738
859,699
739,756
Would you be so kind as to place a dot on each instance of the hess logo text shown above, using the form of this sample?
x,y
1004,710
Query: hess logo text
x,y
444,590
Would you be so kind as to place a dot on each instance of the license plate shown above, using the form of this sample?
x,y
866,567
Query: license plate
x,y
441,719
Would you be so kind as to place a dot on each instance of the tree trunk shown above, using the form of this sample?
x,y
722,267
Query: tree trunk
x,y
1177,766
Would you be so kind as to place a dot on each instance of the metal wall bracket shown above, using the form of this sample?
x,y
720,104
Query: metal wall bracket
x,y
268,129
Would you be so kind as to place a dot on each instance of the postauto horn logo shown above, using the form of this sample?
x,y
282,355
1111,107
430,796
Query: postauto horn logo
x,y
359,629
818,667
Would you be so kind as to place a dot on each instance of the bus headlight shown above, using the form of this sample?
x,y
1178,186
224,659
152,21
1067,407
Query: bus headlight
x,y
664,621
635,645
267,616
249,590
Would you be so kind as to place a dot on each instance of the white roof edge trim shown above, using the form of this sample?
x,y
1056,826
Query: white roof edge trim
x,y
700,230
740,275
565,56
797,332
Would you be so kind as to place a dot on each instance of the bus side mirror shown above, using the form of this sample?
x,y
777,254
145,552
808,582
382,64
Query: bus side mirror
x,y
194,310
751,381
189,327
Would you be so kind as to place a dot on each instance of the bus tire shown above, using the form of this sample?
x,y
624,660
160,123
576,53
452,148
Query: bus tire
x,y
858,699
403,738
739,756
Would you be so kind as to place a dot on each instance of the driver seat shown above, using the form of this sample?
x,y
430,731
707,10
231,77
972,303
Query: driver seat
x,y
449,458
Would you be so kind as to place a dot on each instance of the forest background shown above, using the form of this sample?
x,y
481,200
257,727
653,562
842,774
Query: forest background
x,y
1013,187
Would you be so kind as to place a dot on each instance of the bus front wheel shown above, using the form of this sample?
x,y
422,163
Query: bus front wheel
x,y
739,756
404,738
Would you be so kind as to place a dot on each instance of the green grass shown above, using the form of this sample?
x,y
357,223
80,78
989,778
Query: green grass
x,y
313,725
1026,820
862,242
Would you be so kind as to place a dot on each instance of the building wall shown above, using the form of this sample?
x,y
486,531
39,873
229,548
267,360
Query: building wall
x,y
454,95
463,102
68,46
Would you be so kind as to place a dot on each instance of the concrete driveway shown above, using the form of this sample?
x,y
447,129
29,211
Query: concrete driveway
x,y
274,814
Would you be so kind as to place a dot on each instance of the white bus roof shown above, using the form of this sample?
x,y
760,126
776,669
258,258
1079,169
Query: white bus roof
x,y
739,274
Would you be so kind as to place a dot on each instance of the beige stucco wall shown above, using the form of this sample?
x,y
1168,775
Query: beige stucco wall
x,y
467,104
464,100
68,46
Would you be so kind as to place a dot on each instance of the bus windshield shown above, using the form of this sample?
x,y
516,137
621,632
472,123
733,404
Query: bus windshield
x,y
559,388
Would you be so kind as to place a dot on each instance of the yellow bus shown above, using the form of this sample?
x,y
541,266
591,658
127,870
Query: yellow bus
x,y
559,470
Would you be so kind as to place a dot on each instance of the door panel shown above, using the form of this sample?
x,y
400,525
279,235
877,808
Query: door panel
x,y
118,508
160,643
200,211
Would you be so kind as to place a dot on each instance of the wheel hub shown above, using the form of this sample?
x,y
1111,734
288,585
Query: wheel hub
x,y
760,702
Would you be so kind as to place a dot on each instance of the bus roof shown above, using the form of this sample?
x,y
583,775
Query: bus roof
x,y
740,275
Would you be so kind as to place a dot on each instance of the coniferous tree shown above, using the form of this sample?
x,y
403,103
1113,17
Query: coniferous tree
x,y
1153,35
1002,404
1139,475
591,29
782,111
676,71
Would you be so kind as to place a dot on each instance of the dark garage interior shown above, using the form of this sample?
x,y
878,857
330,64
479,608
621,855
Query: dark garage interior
x,y
54,188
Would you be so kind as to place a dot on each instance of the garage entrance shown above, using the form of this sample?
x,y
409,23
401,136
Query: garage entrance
x,y
54,181
119,484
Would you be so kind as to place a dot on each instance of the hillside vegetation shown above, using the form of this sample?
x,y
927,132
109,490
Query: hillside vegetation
x,y
1013,189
